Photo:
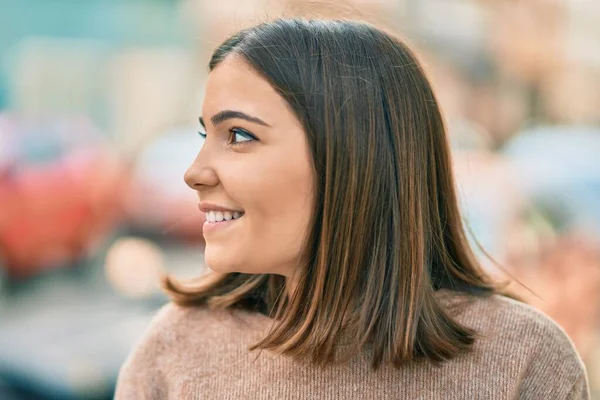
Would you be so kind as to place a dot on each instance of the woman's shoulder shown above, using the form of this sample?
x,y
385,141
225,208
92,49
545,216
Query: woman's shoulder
x,y
161,349
175,325
175,329
180,338
514,333
501,316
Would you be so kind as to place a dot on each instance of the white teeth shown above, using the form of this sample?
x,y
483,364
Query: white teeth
x,y
218,216
210,216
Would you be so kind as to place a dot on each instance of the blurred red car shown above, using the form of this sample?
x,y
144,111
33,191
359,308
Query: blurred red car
x,y
63,190
54,204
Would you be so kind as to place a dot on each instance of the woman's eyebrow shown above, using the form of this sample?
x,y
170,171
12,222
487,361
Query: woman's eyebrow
x,y
230,114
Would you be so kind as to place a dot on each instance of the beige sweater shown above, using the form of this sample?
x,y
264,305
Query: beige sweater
x,y
196,353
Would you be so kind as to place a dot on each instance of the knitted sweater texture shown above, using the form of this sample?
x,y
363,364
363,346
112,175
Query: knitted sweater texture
x,y
197,353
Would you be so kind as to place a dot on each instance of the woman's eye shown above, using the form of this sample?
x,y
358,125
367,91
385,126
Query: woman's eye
x,y
239,136
202,134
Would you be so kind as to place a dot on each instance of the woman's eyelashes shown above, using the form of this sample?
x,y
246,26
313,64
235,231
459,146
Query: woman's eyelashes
x,y
237,136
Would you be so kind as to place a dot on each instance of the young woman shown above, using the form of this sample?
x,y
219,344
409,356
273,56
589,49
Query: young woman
x,y
340,265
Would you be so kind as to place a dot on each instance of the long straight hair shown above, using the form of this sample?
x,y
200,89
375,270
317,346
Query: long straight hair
x,y
386,231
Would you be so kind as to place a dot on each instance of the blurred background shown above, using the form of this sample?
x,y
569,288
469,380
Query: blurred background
x,y
99,101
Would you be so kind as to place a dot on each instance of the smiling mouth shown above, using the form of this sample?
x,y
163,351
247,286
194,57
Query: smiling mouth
x,y
213,217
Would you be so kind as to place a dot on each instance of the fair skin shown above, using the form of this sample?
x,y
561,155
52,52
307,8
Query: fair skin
x,y
254,163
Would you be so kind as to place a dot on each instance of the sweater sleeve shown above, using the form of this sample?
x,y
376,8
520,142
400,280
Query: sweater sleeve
x,y
142,376
139,381
555,370
580,390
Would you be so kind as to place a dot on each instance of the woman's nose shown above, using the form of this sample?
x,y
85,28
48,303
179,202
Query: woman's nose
x,y
200,174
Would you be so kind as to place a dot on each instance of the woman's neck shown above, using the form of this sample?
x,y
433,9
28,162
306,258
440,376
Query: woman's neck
x,y
291,283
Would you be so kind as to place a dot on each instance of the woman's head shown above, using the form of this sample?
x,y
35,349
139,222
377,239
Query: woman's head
x,y
345,184
255,161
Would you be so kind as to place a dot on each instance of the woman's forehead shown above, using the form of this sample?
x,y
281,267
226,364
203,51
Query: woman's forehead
x,y
234,85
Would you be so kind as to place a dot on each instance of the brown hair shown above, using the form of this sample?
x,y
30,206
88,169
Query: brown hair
x,y
386,230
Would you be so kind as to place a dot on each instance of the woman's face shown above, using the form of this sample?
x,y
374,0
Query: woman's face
x,y
253,174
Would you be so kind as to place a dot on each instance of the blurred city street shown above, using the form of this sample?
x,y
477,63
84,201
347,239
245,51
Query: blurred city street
x,y
99,107
78,327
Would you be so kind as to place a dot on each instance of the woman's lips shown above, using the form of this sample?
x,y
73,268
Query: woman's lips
x,y
206,207
210,227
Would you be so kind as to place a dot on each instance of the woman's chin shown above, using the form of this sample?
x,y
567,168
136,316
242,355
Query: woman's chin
x,y
219,263
217,267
